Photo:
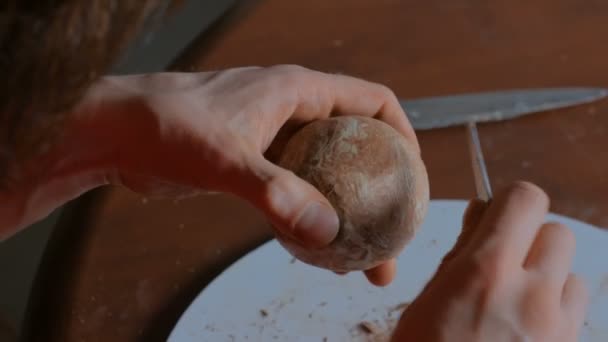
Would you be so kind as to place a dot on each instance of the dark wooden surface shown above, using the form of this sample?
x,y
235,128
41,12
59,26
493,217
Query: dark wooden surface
x,y
123,268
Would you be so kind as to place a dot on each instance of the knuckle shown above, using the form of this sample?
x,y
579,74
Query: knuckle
x,y
288,76
527,192
271,181
289,69
386,92
273,188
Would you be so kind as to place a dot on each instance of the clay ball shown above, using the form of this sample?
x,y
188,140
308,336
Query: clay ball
x,y
375,180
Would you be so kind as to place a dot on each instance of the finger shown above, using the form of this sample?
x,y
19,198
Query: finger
x,y
345,95
511,221
472,216
552,252
382,275
575,299
296,209
354,96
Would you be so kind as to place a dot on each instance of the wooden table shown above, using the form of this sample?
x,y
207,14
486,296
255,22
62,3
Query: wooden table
x,y
123,268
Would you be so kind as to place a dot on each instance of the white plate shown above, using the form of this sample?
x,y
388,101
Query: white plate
x,y
266,296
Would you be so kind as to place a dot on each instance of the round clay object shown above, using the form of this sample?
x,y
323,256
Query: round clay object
x,y
375,180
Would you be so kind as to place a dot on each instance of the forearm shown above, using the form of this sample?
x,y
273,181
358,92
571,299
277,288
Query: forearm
x,y
27,204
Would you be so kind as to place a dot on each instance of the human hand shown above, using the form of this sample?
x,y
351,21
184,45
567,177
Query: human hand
x,y
220,131
507,278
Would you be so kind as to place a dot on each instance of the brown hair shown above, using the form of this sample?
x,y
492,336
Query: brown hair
x,y
50,53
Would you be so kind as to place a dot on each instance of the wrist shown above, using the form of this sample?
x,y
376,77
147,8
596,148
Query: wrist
x,y
83,146
103,131
74,158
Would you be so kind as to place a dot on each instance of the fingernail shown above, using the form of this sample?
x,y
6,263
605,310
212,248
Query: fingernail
x,y
317,226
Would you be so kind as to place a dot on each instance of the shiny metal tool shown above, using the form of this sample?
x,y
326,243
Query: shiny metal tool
x,y
482,180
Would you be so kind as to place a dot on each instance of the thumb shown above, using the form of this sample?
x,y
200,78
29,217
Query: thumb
x,y
473,214
295,208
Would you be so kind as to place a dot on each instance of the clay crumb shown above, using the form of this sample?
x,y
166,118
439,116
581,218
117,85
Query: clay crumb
x,y
368,327
322,304
292,261
263,312
324,339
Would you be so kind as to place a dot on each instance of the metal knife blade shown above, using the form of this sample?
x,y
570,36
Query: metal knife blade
x,y
444,111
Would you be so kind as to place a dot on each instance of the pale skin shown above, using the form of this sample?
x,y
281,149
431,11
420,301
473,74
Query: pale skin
x,y
507,278
174,134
